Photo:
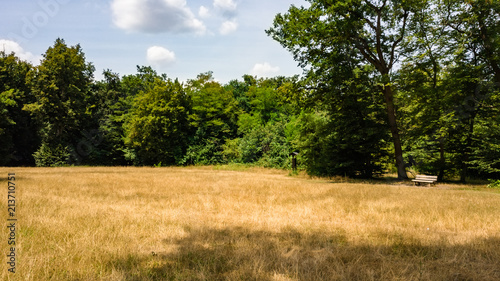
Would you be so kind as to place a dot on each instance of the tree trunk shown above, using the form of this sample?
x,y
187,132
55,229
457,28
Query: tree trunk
x,y
442,160
465,156
391,114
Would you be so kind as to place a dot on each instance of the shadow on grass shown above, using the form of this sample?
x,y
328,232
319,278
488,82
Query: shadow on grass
x,y
244,254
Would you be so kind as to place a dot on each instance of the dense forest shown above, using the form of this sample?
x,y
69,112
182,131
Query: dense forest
x,y
387,85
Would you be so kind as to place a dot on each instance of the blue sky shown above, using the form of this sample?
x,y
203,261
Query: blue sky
x,y
181,38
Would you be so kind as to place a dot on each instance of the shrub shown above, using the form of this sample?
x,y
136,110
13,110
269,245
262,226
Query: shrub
x,y
48,156
494,184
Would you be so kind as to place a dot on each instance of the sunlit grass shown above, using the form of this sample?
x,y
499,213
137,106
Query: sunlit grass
x,y
254,224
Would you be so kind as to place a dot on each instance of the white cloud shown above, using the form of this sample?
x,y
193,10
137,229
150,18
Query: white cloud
x,y
204,12
155,16
228,27
13,47
160,56
226,5
264,69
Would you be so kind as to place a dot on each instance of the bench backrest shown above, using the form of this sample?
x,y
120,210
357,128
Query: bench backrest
x,y
425,177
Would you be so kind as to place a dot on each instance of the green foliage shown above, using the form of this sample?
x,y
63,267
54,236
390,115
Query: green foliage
x,y
254,114
494,184
213,119
60,84
52,156
18,138
448,98
209,152
442,102
267,128
331,146
112,104
333,39
6,140
231,151
485,152
266,146
473,28
158,126
275,147
6,101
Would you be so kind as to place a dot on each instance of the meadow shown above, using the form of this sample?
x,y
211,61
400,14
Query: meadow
x,y
208,223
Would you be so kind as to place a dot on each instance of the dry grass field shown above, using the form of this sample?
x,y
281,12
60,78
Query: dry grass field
x,y
257,224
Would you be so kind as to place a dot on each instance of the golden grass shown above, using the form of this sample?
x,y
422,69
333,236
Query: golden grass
x,y
215,224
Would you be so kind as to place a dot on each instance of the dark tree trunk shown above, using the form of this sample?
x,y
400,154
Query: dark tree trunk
x,y
391,115
442,160
463,173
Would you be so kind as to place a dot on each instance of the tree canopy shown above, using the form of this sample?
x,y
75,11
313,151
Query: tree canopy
x,y
342,37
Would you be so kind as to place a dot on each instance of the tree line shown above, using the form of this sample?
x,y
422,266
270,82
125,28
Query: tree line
x,y
56,114
387,85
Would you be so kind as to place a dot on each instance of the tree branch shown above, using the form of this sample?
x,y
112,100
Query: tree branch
x,y
380,62
448,21
363,47
395,44
383,5
370,24
371,5
378,35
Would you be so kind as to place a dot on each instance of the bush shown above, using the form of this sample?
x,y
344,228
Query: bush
x,y
47,156
494,184
209,152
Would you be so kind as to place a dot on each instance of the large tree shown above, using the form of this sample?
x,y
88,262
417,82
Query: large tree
x,y
60,85
18,138
333,35
213,119
157,127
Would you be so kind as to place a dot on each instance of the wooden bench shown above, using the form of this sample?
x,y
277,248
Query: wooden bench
x,y
425,179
